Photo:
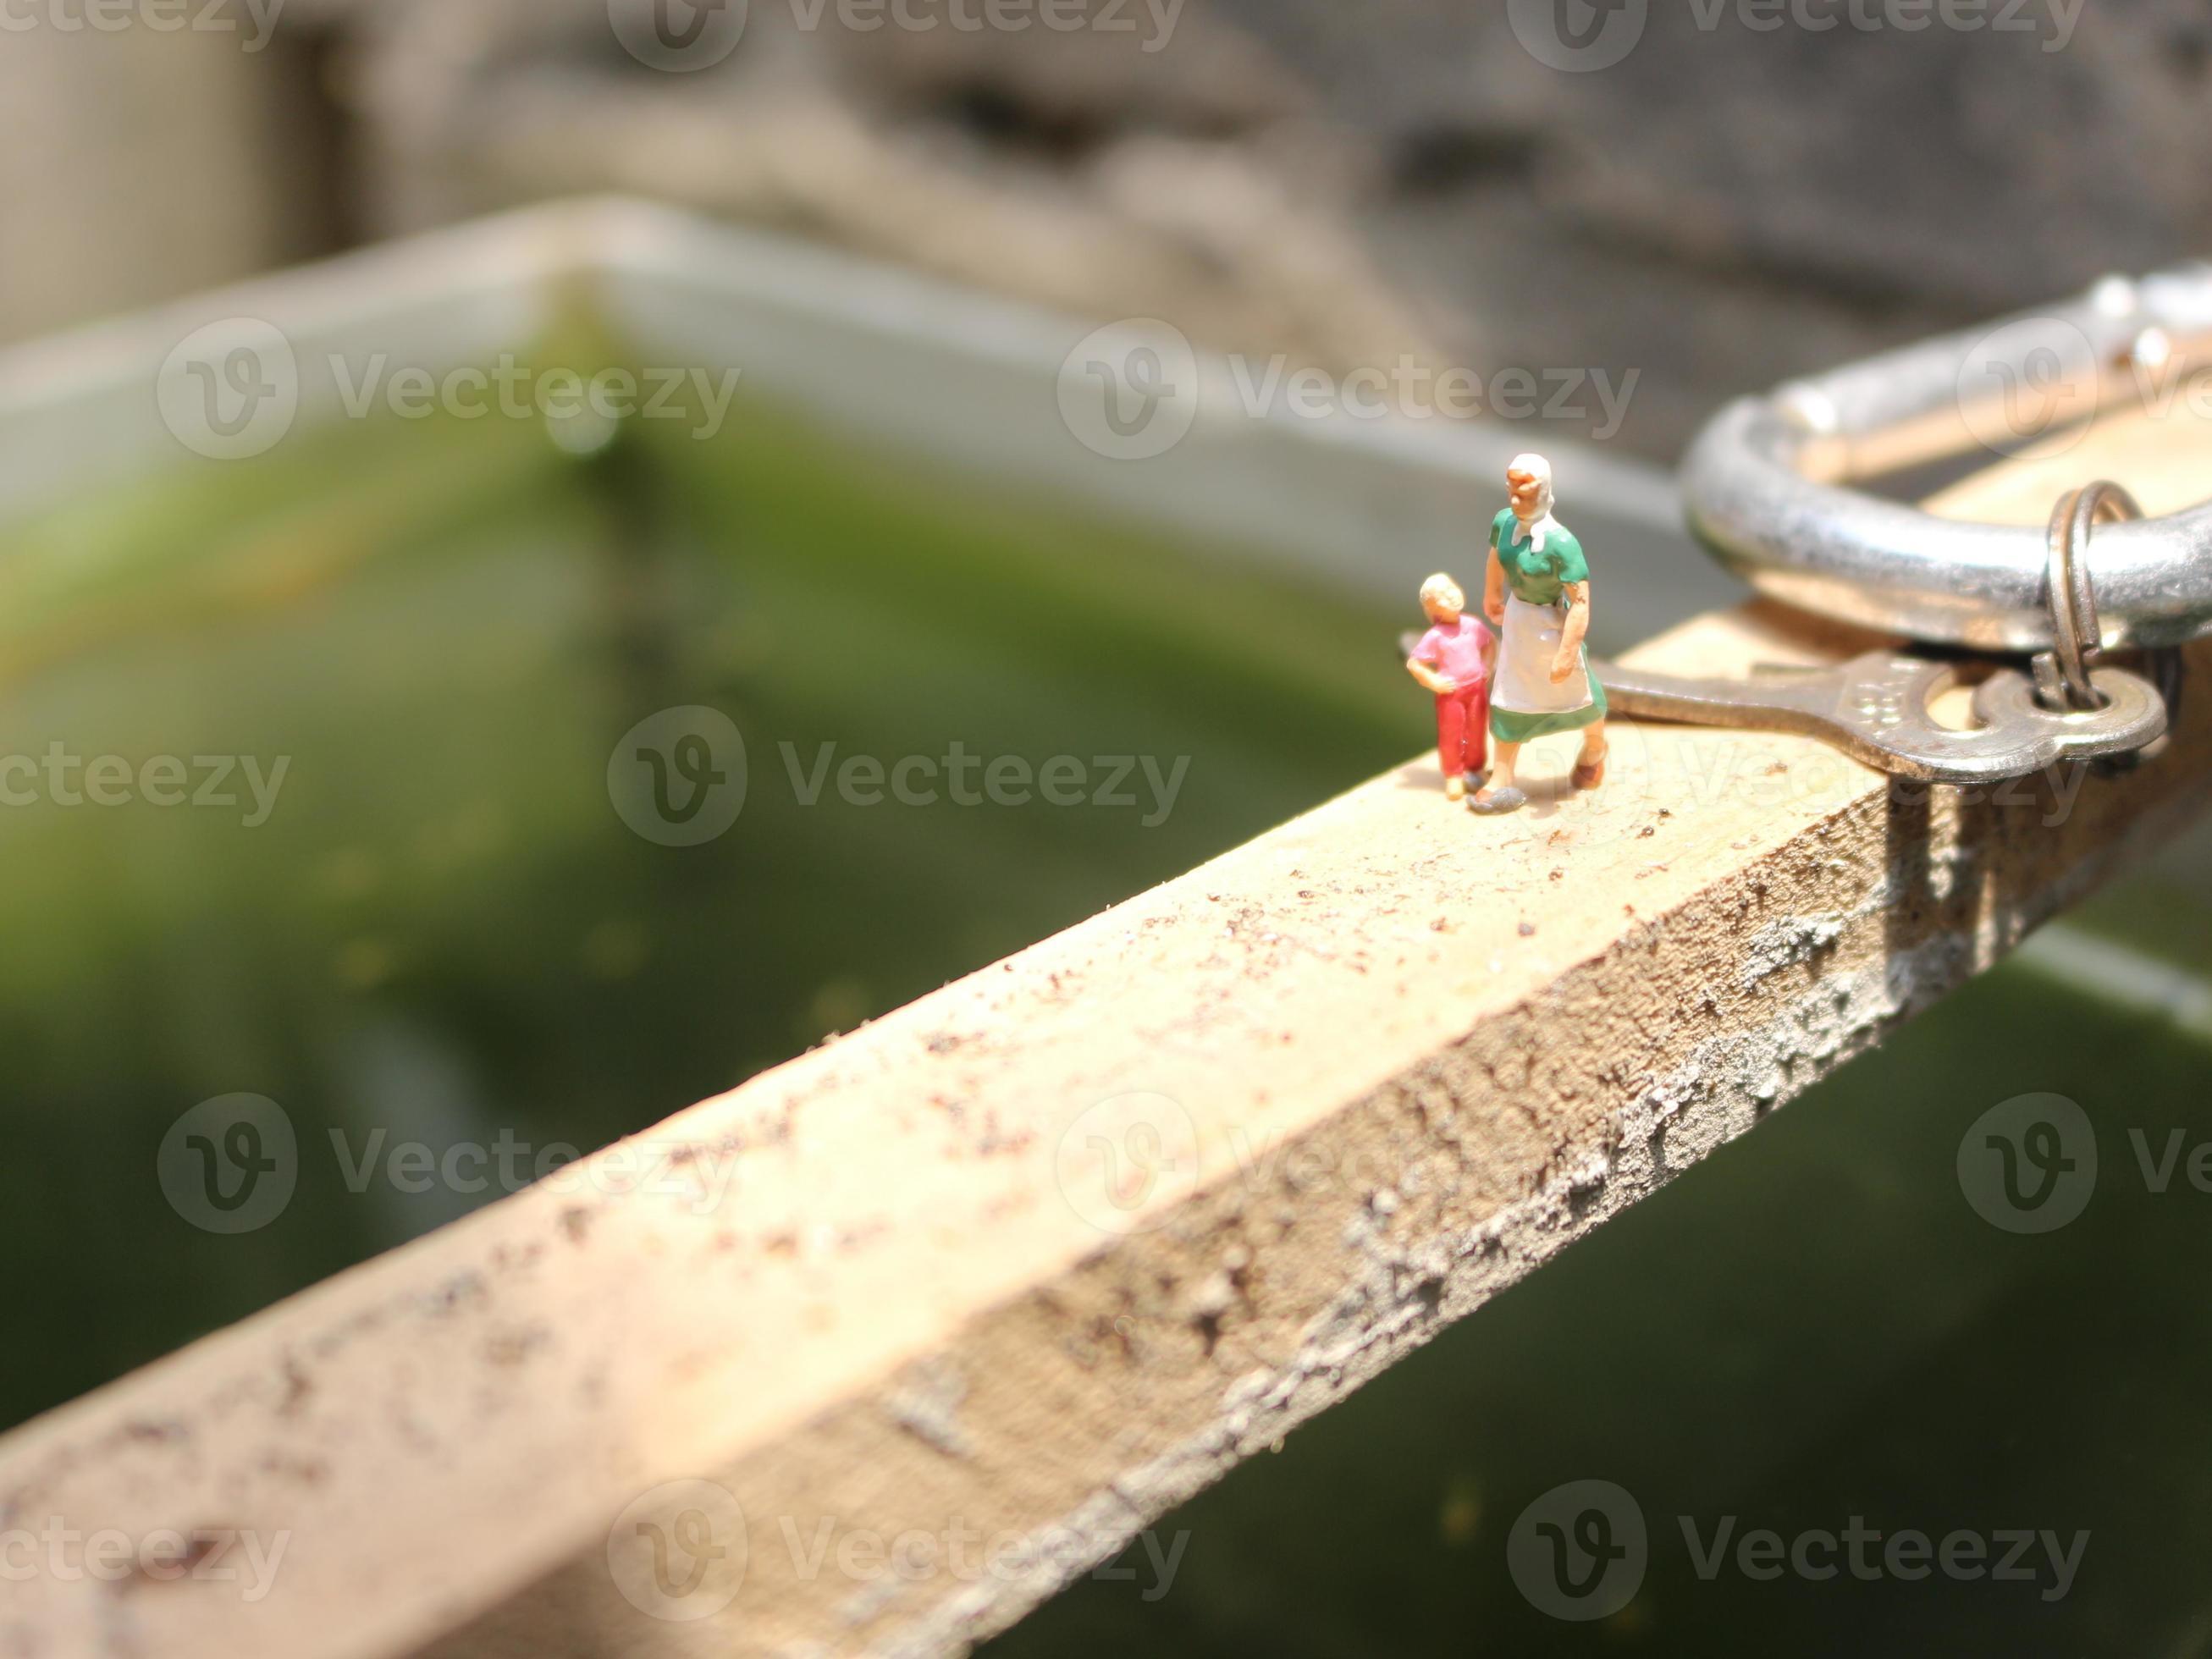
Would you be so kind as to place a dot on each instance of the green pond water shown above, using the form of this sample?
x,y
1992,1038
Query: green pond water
x,y
441,930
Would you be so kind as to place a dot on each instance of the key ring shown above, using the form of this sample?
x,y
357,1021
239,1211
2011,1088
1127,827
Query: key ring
x,y
1769,483
2062,673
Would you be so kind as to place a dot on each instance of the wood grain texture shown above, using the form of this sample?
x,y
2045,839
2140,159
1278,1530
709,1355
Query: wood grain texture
x,y
1047,1252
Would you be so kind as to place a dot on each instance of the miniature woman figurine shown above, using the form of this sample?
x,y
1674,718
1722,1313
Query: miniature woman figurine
x,y
1538,593
1453,660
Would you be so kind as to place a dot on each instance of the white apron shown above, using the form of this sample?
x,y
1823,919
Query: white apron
x,y
1529,647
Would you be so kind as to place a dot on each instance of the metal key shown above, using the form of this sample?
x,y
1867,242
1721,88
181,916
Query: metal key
x,y
1874,707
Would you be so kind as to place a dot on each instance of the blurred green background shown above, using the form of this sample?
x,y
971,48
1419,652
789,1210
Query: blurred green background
x,y
445,932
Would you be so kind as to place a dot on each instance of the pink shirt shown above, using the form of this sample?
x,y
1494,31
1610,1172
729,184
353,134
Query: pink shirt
x,y
1456,652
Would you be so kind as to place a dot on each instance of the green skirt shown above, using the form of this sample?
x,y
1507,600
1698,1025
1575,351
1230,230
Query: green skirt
x,y
1509,727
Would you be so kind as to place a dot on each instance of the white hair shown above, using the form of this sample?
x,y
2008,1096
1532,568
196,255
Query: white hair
x,y
1441,589
1543,524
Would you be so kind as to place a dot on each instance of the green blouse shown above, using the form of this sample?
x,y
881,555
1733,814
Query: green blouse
x,y
1537,578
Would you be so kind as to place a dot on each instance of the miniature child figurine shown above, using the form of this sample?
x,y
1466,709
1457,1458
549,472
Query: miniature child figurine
x,y
1537,592
1453,661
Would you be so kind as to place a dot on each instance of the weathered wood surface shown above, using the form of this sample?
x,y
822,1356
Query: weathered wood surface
x,y
1375,1067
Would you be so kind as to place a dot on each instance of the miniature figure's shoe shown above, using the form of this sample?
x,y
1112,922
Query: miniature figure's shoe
x,y
1454,789
1495,803
1478,776
1590,775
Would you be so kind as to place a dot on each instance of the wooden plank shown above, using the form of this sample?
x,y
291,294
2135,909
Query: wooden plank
x,y
1372,1068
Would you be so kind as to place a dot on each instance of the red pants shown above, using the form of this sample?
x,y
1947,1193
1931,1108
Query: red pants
x,y
1463,730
